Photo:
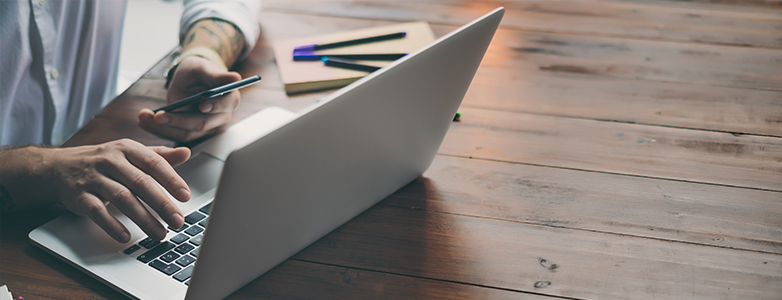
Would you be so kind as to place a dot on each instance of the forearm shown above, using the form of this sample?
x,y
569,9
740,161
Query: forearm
x,y
221,36
23,178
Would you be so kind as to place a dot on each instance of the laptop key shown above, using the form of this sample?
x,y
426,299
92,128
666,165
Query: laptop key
x,y
134,248
194,230
155,252
148,243
194,253
207,208
169,256
203,223
164,267
185,260
184,248
196,240
179,238
185,274
184,226
194,217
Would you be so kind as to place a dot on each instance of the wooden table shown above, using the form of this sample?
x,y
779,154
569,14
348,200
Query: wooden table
x,y
607,150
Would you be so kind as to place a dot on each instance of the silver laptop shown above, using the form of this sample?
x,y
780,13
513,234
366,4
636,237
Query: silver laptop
x,y
277,181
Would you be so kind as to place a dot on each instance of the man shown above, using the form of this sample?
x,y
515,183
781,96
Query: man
x,y
58,65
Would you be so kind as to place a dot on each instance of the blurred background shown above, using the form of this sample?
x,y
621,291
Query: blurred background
x,y
151,30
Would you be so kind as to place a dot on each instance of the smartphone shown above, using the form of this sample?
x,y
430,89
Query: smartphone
x,y
212,93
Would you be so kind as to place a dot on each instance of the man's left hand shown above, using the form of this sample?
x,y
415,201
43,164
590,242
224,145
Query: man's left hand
x,y
194,75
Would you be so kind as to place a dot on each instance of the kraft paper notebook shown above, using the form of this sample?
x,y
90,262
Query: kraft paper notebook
x,y
304,76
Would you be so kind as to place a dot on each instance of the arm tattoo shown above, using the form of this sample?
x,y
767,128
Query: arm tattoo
x,y
215,41
219,24
190,39
237,43
222,36
234,40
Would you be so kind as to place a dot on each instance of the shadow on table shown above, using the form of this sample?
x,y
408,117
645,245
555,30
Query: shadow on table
x,y
382,253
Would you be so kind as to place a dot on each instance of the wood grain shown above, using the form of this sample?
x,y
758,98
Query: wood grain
x,y
649,20
699,214
680,154
637,59
543,259
295,279
740,5
591,96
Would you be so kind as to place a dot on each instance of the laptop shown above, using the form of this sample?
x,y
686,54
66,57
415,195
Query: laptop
x,y
278,181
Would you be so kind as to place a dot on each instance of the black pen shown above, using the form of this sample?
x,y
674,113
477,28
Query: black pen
x,y
378,38
309,55
212,93
347,64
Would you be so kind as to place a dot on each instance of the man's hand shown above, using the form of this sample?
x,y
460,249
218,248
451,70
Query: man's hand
x,y
209,48
194,75
87,178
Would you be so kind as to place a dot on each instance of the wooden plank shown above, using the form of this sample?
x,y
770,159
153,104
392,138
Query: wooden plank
x,y
593,96
699,24
689,155
541,259
700,214
750,5
303,280
637,59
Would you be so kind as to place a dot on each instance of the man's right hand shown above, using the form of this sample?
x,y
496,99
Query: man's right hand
x,y
85,179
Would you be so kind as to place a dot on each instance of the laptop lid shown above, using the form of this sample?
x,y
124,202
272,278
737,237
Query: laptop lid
x,y
337,159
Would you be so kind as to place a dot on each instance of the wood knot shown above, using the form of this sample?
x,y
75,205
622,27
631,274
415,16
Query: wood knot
x,y
348,275
547,264
542,284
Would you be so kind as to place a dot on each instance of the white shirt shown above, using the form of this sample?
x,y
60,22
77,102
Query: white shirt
x,y
59,60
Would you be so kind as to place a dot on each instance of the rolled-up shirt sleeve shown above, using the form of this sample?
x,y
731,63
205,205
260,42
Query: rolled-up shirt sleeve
x,y
242,13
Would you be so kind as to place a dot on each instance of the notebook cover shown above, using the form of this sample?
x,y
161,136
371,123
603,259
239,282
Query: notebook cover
x,y
304,76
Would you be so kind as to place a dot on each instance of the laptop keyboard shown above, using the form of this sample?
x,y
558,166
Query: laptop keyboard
x,y
176,256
